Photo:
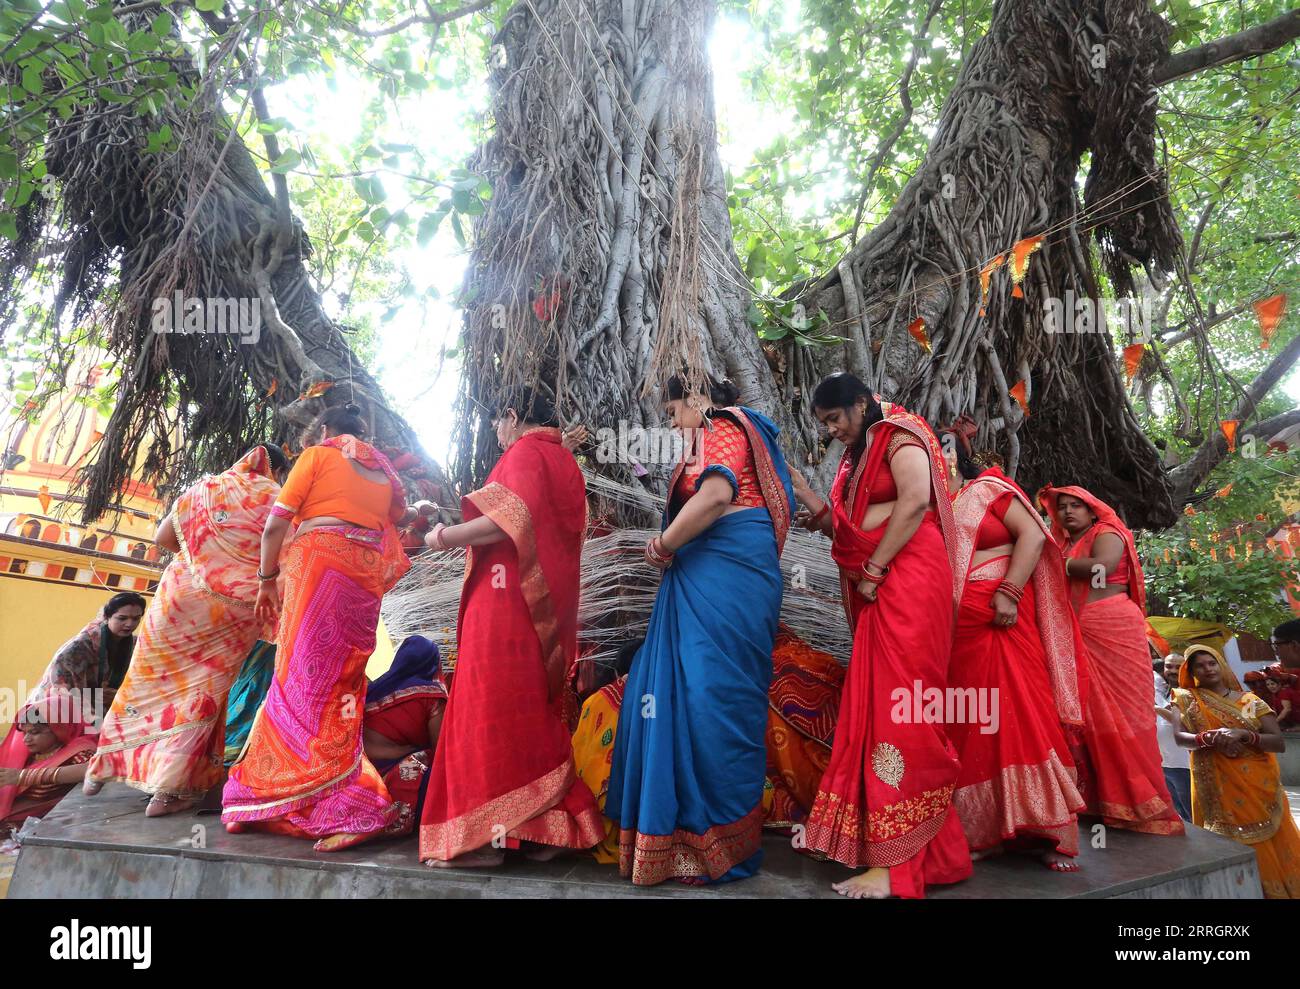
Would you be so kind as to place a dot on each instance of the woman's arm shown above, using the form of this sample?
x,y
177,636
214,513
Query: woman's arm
x,y
478,532
1025,552
267,607
1271,738
378,747
165,537
1108,549
701,510
813,502
911,469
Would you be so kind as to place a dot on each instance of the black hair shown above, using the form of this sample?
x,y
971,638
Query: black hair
x,y
530,404
276,455
965,465
626,653
1287,631
841,390
341,419
722,391
1158,664
123,599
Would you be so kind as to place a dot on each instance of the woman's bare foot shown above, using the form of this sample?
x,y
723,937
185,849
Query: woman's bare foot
x,y
338,842
1059,863
236,827
91,787
163,804
870,885
481,858
987,853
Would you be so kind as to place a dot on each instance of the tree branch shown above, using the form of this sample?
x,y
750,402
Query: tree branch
x,y
1259,40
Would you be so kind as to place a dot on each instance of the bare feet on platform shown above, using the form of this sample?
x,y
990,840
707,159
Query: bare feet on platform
x,y
870,885
1059,863
163,804
236,827
481,858
338,842
91,787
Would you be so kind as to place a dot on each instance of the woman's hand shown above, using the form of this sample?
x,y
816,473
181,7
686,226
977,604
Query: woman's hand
x,y
802,492
9,777
1004,610
433,538
868,590
656,554
573,438
267,608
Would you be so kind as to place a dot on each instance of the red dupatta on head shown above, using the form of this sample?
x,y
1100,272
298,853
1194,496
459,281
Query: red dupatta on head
x,y
532,496
1062,642
62,711
1107,521
851,546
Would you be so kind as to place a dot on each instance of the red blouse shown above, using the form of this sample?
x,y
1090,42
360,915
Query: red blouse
x,y
721,448
882,488
993,529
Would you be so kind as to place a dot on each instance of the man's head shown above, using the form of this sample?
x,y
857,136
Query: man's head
x,y
1286,643
1173,663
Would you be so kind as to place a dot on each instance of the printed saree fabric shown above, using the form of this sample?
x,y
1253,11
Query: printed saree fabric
x,y
304,772
803,705
686,784
503,770
1017,775
886,798
62,711
1240,796
93,659
166,729
593,754
1123,780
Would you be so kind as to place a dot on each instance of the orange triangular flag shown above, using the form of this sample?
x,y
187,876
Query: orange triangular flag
x,y
43,496
1269,313
987,272
1018,393
316,390
1214,554
1224,491
275,383
1017,292
917,329
1189,511
1020,256
1229,430
1132,358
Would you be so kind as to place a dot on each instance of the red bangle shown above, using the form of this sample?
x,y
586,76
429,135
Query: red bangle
x,y
872,578
826,506
1011,590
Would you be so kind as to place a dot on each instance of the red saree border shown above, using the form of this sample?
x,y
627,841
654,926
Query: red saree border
x,y
474,829
1032,800
649,859
406,693
562,829
1056,625
893,834
510,513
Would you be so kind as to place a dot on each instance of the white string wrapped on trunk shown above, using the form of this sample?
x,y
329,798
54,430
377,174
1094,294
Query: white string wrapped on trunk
x,y
619,587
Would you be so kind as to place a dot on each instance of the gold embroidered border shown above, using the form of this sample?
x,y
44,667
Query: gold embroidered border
x,y
406,693
1041,799
1207,806
651,858
892,834
150,739
509,512
496,817
562,829
768,480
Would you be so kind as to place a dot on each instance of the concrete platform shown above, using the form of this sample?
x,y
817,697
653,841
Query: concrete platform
x,y
104,847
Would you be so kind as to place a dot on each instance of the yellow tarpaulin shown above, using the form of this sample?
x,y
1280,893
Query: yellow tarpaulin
x,y
1192,631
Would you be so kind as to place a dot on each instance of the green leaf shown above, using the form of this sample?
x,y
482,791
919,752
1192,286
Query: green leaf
x,y
8,226
209,5
289,160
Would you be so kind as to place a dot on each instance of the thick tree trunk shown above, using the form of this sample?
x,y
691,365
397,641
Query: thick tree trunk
x,y
604,261
1051,81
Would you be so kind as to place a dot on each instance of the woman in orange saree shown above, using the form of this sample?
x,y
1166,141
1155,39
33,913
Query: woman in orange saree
x,y
886,798
1016,643
503,774
165,733
1236,786
304,772
1123,780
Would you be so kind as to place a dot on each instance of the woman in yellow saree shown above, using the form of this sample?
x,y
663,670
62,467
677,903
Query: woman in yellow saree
x,y
165,733
1236,786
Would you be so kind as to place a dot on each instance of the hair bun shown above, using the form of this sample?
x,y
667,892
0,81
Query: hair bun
x,y
352,409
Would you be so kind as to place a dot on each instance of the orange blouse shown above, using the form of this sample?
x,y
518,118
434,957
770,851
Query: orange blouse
x,y
323,482
723,449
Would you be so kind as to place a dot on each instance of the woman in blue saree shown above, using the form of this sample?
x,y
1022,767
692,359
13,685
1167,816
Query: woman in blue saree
x,y
686,786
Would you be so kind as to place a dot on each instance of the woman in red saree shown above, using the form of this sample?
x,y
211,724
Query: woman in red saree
x,y
1016,642
1123,780
886,798
55,751
503,774
304,772
165,733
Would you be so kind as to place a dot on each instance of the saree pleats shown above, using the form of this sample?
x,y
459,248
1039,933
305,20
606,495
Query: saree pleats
x,y
686,787
304,772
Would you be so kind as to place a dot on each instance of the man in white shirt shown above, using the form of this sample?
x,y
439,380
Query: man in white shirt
x,y
1173,758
